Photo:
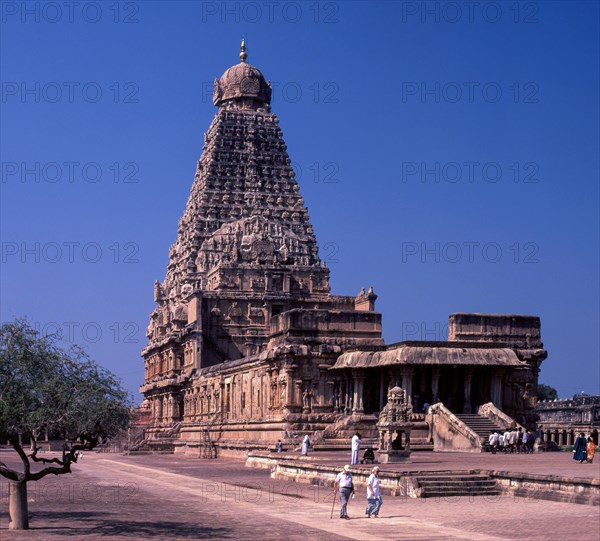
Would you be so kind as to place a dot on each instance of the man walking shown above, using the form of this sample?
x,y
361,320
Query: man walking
x,y
344,487
355,448
373,494
494,440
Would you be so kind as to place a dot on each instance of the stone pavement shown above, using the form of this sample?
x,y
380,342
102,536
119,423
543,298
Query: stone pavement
x,y
176,498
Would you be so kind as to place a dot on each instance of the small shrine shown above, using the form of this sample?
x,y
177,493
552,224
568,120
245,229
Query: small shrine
x,y
394,427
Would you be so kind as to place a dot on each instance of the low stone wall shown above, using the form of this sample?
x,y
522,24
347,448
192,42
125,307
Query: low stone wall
x,y
548,487
405,484
302,470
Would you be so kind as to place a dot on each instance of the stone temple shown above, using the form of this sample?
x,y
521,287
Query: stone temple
x,y
247,344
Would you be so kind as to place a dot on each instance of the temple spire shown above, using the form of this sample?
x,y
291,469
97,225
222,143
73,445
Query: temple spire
x,y
243,54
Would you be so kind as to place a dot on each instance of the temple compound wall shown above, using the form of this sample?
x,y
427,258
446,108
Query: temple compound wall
x,y
247,343
562,420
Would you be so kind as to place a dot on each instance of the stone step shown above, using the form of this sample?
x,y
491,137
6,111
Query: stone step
x,y
440,485
463,478
148,452
482,426
445,486
454,493
453,480
479,423
421,446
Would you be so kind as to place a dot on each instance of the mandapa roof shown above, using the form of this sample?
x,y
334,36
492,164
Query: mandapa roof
x,y
427,355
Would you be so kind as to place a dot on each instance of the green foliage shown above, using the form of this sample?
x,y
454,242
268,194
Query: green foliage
x,y
545,392
44,387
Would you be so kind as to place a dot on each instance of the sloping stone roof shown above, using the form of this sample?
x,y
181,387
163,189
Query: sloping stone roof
x,y
425,355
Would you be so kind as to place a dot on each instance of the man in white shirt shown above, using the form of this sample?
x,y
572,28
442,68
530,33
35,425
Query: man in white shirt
x,y
493,440
506,440
514,436
374,500
344,487
525,442
355,448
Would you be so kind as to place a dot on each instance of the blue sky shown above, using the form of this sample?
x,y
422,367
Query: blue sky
x,y
448,156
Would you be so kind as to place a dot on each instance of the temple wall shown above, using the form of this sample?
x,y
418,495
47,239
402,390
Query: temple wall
x,y
515,330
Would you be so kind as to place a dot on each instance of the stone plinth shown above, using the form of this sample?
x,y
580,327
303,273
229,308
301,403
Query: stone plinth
x,y
394,428
388,457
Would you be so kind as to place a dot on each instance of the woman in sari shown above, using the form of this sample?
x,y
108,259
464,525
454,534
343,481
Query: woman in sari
x,y
579,451
590,449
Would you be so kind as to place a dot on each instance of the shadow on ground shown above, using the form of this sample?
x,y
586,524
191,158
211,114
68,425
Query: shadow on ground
x,y
99,523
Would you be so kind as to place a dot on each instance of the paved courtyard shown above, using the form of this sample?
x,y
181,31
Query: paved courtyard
x,y
112,496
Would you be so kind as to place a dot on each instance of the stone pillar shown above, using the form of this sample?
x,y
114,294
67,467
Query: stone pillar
x,y
221,397
435,384
359,378
348,395
159,409
407,381
382,392
170,412
496,388
232,394
289,388
468,407
322,388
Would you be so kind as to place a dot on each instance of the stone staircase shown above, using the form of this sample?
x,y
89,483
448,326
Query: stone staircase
x,y
338,436
162,443
449,484
481,425
343,444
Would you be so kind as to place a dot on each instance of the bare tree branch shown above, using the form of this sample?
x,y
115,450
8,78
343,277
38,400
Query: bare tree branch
x,y
14,441
8,473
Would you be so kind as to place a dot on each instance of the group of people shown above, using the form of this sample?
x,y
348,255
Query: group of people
x,y
514,440
584,449
344,488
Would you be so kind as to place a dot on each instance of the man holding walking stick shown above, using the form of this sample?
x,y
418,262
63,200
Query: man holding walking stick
x,y
345,488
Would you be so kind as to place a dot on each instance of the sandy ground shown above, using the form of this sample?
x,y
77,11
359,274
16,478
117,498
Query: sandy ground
x,y
155,497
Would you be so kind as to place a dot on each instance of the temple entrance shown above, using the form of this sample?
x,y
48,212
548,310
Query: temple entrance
x,y
372,393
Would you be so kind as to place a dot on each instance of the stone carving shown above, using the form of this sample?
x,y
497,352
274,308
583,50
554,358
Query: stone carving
x,y
394,427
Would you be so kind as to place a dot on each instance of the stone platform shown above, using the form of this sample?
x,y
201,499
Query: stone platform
x,y
544,476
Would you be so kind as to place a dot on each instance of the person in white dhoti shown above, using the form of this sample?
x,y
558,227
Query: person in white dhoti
x,y
355,448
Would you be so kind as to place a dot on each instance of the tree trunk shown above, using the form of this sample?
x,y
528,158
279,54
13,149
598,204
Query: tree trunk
x,y
17,506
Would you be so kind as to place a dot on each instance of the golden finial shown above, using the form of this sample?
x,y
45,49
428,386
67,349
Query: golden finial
x,y
243,54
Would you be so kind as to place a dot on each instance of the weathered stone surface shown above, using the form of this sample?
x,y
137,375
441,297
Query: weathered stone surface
x,y
245,327
394,426
247,345
562,420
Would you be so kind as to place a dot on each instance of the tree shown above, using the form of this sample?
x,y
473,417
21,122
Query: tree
x,y
47,389
545,392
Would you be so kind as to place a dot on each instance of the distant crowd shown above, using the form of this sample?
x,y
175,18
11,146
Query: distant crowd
x,y
515,440
519,440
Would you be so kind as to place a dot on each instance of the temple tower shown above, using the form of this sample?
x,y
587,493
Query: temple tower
x,y
244,278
